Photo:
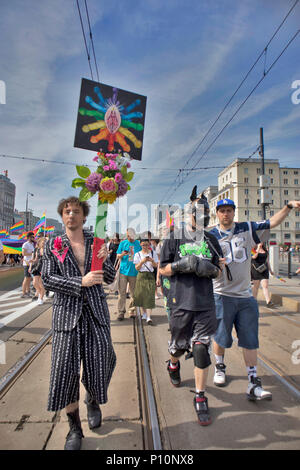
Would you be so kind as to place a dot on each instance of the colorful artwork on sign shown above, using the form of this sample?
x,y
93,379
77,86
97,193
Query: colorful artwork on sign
x,y
110,119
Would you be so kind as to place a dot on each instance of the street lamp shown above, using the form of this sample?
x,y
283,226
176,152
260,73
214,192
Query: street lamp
x,y
30,194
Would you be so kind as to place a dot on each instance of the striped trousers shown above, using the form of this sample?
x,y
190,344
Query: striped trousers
x,y
89,343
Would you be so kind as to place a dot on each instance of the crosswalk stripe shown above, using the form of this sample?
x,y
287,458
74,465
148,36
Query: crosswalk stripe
x,y
10,309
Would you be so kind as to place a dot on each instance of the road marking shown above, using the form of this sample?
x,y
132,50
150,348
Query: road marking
x,y
14,302
17,311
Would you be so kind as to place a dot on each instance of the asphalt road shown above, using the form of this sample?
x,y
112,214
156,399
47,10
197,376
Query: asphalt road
x,y
15,312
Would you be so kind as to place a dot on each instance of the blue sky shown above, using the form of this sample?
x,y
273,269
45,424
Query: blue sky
x,y
186,56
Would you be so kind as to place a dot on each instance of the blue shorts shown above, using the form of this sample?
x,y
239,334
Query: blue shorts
x,y
243,314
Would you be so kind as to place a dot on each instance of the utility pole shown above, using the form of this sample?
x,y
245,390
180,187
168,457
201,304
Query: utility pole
x,y
262,154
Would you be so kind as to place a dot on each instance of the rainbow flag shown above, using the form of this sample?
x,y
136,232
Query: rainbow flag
x,y
3,233
23,235
49,229
17,226
41,222
169,220
10,250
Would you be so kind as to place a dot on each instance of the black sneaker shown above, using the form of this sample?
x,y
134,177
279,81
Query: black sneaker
x,y
202,410
174,374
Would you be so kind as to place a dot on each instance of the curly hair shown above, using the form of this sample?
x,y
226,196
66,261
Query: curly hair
x,y
73,200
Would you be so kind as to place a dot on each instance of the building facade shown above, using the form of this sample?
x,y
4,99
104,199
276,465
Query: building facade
x,y
240,181
7,202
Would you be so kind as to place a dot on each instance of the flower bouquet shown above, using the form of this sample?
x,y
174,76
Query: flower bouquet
x,y
110,181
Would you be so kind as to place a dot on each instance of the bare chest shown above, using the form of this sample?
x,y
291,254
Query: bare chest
x,y
79,253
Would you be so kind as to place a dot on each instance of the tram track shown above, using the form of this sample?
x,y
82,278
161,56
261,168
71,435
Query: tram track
x,y
149,416
152,438
13,374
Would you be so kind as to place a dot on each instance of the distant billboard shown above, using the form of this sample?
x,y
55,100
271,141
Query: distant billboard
x,y
110,119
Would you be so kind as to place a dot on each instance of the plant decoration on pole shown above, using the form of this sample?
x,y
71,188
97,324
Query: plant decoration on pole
x,y
113,110
110,181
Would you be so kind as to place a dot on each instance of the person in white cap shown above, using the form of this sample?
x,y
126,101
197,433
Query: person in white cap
x,y
235,304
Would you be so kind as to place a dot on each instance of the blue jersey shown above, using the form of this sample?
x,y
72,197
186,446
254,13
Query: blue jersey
x,y
236,245
127,266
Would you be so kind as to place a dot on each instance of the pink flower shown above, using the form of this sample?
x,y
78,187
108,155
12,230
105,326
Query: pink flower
x,y
128,165
112,165
106,168
57,243
118,177
95,159
108,185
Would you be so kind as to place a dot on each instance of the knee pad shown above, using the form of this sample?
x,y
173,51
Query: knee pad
x,y
201,355
178,353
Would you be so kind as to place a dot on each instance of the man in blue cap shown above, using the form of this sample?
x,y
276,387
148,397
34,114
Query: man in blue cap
x,y
235,304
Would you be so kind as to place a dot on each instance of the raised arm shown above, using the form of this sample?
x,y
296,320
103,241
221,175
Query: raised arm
x,y
279,217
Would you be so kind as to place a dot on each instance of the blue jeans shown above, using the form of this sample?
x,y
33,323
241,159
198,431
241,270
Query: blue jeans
x,y
243,314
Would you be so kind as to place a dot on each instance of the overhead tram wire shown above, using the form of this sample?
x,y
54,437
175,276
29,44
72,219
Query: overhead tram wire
x,y
264,51
84,38
242,104
43,160
91,39
223,167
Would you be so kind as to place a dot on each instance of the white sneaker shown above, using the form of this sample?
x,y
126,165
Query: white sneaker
x,y
144,316
220,377
40,301
255,391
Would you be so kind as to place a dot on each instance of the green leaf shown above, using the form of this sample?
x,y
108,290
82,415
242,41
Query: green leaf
x,y
85,194
124,171
128,177
83,171
128,187
78,183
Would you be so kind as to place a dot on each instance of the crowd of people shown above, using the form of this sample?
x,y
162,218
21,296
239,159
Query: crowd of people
x,y
205,278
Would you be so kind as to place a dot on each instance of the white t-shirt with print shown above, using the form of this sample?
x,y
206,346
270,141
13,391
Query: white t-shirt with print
x,y
147,267
29,247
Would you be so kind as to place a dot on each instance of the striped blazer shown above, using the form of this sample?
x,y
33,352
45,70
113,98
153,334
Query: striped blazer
x,y
64,279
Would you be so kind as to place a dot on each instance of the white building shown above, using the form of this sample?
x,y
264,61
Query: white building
x,y
240,182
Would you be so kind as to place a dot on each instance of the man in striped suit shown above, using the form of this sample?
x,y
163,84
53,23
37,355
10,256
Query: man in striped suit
x,y
80,323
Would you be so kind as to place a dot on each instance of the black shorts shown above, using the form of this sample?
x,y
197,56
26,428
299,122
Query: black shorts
x,y
26,271
187,327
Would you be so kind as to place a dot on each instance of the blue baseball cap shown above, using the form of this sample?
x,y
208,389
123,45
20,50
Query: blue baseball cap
x,y
225,202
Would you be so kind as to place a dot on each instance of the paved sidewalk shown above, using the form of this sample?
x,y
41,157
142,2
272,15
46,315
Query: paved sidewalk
x,y
25,423
285,292
237,423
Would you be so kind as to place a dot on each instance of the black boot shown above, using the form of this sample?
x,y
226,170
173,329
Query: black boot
x,y
73,439
93,412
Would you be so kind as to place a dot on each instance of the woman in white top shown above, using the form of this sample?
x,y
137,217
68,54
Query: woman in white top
x,y
144,294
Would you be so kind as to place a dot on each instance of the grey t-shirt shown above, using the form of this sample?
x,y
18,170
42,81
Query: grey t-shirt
x,y
236,245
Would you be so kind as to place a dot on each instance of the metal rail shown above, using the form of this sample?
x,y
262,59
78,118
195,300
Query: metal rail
x,y
17,369
152,438
150,417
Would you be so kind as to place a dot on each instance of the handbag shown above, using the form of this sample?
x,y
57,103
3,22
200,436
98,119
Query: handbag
x,y
37,267
261,268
